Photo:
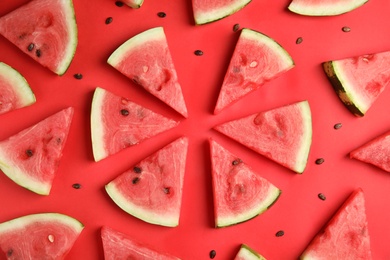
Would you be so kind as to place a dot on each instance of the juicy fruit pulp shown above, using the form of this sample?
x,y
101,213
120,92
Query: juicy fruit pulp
x,y
146,59
39,236
14,90
247,253
45,30
256,60
152,189
282,134
359,81
239,193
209,11
117,123
31,157
325,7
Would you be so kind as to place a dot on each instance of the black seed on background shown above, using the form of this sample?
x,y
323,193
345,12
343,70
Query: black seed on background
x,y
30,47
109,20
346,29
137,169
161,14
135,180
38,53
279,233
321,196
320,161
212,254
124,112
299,40
119,3
337,126
198,53
236,27
76,186
29,152
78,76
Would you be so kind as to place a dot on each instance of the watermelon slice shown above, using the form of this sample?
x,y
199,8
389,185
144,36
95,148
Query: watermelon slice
x,y
282,134
39,236
345,236
375,152
206,11
118,245
46,30
152,189
14,90
31,157
239,193
324,7
358,81
133,3
117,123
247,253
256,59
146,59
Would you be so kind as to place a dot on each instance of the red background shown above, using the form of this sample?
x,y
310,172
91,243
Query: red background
x,y
299,212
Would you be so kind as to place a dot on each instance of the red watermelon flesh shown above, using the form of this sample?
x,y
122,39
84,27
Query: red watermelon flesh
x,y
39,236
358,81
118,245
133,3
117,123
324,7
146,59
14,90
282,134
152,189
31,157
239,193
45,30
345,236
375,152
256,59
206,11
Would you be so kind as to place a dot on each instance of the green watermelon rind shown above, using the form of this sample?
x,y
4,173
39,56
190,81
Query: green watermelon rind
x,y
326,9
135,4
215,15
303,153
19,84
248,253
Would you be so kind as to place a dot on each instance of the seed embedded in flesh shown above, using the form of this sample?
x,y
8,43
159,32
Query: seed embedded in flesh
x,y
237,161
29,152
10,252
31,47
167,190
212,254
125,112
137,169
135,180
38,53
161,14
320,161
279,233
51,238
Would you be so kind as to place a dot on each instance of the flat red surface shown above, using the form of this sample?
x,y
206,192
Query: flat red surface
x,y
298,212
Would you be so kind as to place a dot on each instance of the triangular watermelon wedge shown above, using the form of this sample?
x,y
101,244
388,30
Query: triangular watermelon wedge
x,y
345,236
324,7
14,90
146,59
117,123
39,236
152,189
247,253
117,245
358,81
239,193
206,11
31,157
375,152
282,134
45,30
256,59
133,3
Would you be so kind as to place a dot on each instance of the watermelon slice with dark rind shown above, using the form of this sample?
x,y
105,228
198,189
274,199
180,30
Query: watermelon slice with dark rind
x,y
39,236
324,7
256,59
31,157
345,236
281,134
359,81
117,123
206,11
247,253
133,3
46,30
146,59
117,245
152,190
375,152
15,92
239,193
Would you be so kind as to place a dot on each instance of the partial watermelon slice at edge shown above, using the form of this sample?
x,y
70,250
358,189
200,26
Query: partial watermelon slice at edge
x,y
325,7
133,3
247,253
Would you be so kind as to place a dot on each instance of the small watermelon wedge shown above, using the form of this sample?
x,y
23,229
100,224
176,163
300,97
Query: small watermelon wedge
x,y
359,81
133,3
45,30
247,253
152,189
282,134
375,152
15,92
117,245
146,59
239,193
256,59
117,123
39,236
206,11
31,157
324,7
345,236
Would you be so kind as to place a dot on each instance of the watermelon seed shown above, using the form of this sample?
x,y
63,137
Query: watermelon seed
x,y
167,190
135,180
119,3
237,161
125,112
212,254
337,126
78,76
29,152
236,27
161,14
299,40
321,196
346,29
279,233
30,47
137,169
76,186
198,53
109,20
51,238
320,161
38,53
10,252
